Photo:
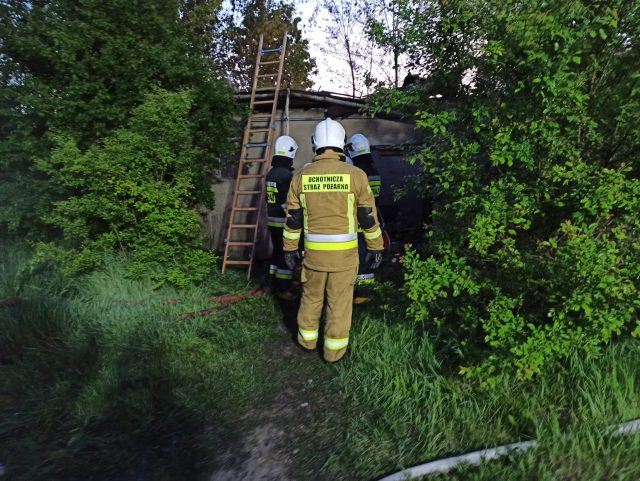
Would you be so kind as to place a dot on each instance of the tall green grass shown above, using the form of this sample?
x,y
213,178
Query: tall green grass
x,y
405,406
102,379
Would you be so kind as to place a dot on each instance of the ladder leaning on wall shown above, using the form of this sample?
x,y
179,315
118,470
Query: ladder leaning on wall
x,y
255,159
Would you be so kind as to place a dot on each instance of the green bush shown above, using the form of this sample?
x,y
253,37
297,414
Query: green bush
x,y
80,68
133,192
532,169
87,85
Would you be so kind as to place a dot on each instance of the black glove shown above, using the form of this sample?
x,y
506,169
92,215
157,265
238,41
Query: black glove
x,y
292,259
373,259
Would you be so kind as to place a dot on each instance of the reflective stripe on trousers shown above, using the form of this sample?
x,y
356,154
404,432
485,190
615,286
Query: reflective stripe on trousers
x,y
368,278
283,274
308,335
335,344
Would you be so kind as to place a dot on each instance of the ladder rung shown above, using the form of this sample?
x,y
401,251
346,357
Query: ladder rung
x,y
265,89
243,226
259,130
250,146
267,50
249,161
237,262
245,208
270,62
248,192
263,102
250,176
264,75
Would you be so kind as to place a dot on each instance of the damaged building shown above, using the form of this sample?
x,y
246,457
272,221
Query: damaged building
x,y
297,114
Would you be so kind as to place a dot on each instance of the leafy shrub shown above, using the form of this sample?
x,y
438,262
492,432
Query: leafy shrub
x,y
532,168
134,192
68,71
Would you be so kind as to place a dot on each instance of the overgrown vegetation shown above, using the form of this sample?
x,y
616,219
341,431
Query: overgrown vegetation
x,y
134,192
101,378
87,87
406,404
532,168
113,116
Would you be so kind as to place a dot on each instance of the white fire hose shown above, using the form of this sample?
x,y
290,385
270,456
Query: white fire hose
x,y
477,457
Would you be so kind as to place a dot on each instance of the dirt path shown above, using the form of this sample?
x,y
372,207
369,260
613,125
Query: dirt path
x,y
266,451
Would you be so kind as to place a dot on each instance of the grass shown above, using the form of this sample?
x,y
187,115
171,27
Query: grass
x,y
102,378
406,407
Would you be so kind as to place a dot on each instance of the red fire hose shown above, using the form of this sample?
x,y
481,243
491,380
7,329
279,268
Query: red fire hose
x,y
225,301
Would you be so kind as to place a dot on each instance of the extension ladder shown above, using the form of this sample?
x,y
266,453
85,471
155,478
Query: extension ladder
x,y
255,160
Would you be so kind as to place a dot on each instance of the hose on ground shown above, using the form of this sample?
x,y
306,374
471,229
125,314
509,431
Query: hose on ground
x,y
477,457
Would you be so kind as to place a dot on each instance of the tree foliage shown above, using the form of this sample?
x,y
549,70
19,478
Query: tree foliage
x,y
347,42
133,192
239,38
385,25
78,71
532,166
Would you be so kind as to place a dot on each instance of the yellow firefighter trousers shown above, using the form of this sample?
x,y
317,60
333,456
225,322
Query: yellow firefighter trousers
x,y
338,289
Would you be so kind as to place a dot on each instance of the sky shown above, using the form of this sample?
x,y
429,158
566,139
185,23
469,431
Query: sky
x,y
329,67
333,72
313,32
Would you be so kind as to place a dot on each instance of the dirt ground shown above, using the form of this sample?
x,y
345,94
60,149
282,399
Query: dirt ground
x,y
274,433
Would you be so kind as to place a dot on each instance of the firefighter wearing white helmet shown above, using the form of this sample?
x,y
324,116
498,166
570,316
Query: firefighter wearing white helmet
x,y
327,202
278,180
360,152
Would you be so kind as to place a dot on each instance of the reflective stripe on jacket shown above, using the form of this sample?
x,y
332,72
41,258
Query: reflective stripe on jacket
x,y
365,162
376,184
323,202
277,188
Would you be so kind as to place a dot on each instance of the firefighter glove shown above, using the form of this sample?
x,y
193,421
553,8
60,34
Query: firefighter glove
x,y
373,259
292,259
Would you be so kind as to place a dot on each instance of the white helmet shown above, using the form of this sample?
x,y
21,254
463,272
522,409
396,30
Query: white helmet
x,y
359,145
286,146
328,133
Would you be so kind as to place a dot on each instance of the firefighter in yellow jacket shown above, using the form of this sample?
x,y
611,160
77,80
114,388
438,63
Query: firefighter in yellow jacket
x,y
327,201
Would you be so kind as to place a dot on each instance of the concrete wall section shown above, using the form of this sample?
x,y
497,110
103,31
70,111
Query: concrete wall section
x,y
217,220
378,131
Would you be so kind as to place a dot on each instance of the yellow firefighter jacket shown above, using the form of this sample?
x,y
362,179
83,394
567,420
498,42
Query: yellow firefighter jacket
x,y
328,200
